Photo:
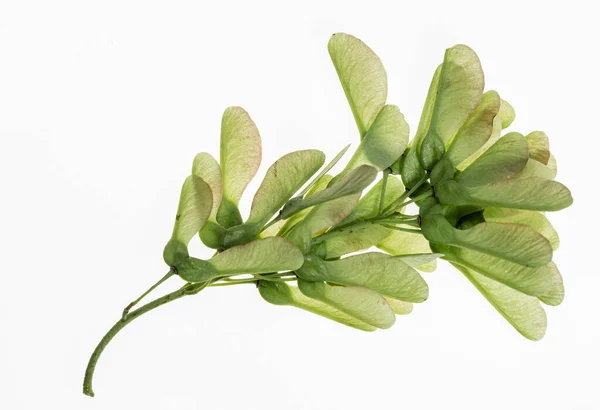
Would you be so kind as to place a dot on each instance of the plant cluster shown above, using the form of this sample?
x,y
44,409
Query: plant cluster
x,y
478,196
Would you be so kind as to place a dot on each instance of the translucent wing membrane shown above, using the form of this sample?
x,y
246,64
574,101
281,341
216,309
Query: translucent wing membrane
x,y
240,159
359,302
377,271
195,204
543,282
207,168
505,159
355,181
513,242
283,179
459,91
267,255
362,75
476,131
384,142
279,293
533,193
533,219
523,312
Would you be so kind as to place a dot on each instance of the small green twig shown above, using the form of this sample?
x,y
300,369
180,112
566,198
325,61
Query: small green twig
x,y
417,198
397,228
386,173
194,288
411,222
135,302
324,171
272,222
394,205
233,282
121,323
274,278
341,230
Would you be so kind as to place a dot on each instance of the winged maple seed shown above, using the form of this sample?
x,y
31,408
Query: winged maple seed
x,y
480,194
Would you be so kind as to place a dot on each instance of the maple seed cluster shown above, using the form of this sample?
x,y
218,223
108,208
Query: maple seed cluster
x,y
461,190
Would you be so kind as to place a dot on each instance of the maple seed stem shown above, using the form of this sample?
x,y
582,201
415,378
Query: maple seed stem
x,y
417,198
135,302
273,221
386,173
395,205
89,371
398,228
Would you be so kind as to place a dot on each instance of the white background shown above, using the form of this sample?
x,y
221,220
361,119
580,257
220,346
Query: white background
x,y
103,106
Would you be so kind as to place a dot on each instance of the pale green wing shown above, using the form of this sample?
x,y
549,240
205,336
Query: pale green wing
x,y
194,208
207,168
505,159
384,142
240,159
352,239
507,114
399,243
399,306
539,146
260,256
273,229
460,89
543,282
523,312
368,206
533,219
378,271
428,106
195,204
283,179
534,168
515,242
362,75
416,260
476,131
292,221
324,171
410,167
267,255
319,185
359,302
279,293
534,193
552,165
505,117
355,181
320,218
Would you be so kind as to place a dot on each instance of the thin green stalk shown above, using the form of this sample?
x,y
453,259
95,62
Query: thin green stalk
x,y
380,219
406,194
272,222
395,215
412,222
275,277
417,198
340,230
386,173
117,327
324,171
157,284
397,228
233,282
